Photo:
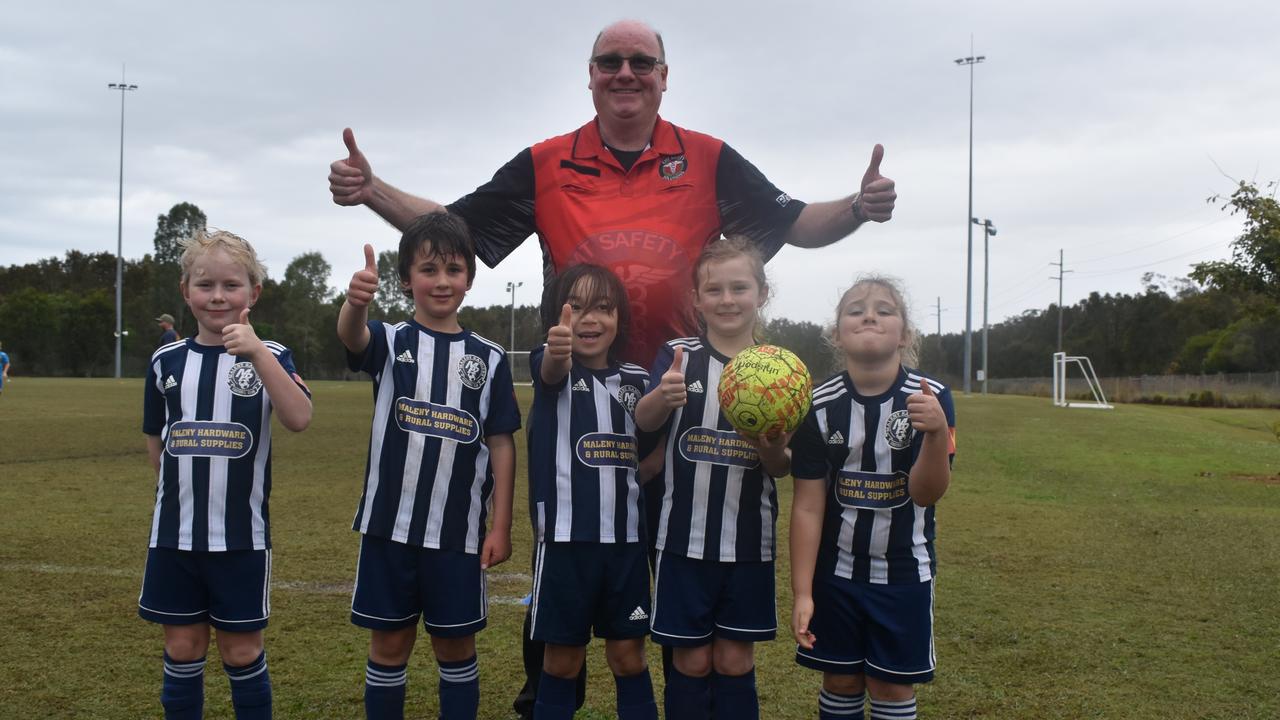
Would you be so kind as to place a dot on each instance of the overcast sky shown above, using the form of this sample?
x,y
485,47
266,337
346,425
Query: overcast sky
x,y
1099,127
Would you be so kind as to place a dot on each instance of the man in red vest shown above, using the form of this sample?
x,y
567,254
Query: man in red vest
x,y
630,191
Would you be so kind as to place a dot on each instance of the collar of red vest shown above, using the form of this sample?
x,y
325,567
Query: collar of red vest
x,y
665,141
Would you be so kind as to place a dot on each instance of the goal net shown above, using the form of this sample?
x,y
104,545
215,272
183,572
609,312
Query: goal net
x,y
1061,363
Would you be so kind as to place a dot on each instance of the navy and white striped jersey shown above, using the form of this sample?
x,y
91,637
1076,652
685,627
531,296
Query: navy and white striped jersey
x,y
213,415
718,503
864,448
583,455
437,397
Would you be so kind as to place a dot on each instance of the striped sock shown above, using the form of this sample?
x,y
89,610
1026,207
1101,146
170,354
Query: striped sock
x,y
182,694
384,691
635,696
834,706
459,689
893,709
251,689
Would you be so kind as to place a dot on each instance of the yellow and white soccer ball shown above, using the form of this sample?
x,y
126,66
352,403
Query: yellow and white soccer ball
x,y
765,390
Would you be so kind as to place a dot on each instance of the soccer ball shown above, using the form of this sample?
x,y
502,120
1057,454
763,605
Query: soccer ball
x,y
765,390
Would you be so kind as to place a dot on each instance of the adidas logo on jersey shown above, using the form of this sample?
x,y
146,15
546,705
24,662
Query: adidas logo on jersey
x,y
169,382
836,438
638,614
581,386
695,386
406,357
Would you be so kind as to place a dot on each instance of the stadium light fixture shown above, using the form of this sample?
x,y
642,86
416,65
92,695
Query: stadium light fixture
x,y
988,231
971,60
123,87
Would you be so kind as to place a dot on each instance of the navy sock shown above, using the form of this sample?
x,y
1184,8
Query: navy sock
x,y
182,694
556,698
251,689
735,695
384,691
635,697
834,706
893,709
687,697
459,689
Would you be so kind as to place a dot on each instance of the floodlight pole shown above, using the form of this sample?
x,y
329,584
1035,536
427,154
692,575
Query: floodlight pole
x,y
1062,271
971,60
511,288
123,88
988,229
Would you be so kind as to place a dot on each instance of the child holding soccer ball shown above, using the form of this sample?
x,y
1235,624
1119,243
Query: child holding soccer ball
x,y
870,460
591,570
714,576
206,416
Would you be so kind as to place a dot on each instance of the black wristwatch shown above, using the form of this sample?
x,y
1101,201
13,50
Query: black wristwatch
x,y
856,207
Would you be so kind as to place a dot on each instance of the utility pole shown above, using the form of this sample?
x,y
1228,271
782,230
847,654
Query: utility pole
x,y
1061,272
511,287
937,313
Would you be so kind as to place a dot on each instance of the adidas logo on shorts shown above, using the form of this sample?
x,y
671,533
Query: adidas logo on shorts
x,y
695,387
836,438
638,614
406,357
169,382
581,386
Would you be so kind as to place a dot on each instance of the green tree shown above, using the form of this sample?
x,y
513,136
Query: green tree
x,y
180,223
1254,267
391,301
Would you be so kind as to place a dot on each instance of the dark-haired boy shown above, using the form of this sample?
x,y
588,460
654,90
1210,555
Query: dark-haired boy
x,y
441,445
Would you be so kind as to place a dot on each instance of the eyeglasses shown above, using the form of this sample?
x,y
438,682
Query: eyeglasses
x,y
612,63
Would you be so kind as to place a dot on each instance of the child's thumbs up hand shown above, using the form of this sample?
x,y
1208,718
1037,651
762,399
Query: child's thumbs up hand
x,y
923,410
560,337
672,387
364,283
240,339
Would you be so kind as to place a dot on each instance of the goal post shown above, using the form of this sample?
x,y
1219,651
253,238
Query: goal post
x,y
1061,361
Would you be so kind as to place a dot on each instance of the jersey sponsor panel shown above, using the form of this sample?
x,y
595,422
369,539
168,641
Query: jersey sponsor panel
x,y
437,397
863,448
583,455
717,501
212,416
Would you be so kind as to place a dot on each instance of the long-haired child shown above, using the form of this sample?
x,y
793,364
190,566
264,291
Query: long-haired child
x,y
206,416
591,571
714,577
870,460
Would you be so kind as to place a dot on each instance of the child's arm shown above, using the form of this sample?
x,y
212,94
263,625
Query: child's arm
x,y
559,356
154,447
656,406
293,407
502,456
353,318
931,473
775,457
807,509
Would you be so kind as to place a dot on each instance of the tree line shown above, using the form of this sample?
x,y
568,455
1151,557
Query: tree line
x,y
57,316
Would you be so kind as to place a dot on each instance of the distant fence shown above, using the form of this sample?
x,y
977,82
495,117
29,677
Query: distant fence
x,y
1220,390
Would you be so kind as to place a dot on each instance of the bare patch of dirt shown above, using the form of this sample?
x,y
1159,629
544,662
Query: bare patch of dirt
x,y
1264,479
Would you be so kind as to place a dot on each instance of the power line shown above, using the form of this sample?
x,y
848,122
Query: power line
x,y
1153,244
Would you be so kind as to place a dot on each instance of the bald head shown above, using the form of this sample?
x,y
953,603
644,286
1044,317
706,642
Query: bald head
x,y
630,28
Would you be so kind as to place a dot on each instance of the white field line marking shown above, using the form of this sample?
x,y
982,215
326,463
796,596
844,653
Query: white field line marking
x,y
300,586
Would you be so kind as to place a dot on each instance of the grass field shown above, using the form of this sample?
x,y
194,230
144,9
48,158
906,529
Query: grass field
x,y
1093,564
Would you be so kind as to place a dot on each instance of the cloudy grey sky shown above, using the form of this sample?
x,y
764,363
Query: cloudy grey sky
x,y
1100,127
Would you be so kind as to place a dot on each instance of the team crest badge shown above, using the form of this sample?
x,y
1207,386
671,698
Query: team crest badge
x,y
672,166
243,380
629,395
898,431
472,371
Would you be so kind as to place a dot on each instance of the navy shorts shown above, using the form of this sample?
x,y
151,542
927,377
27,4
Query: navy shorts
x,y
579,587
398,583
884,631
230,590
695,601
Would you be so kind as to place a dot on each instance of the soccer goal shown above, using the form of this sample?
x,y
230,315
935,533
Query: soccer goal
x,y
1060,363
519,360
